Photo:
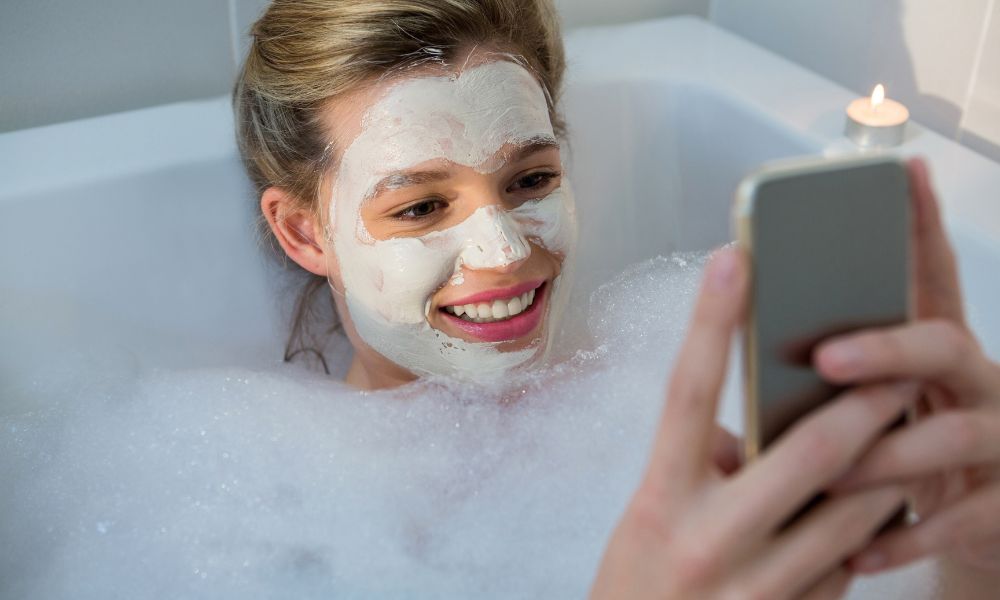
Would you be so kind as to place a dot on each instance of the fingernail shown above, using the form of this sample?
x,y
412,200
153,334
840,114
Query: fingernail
x,y
871,560
723,271
845,356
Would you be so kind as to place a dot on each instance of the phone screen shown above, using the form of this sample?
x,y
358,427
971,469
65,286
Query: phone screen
x,y
829,251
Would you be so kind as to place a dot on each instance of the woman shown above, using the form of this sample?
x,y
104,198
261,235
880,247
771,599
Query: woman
x,y
407,152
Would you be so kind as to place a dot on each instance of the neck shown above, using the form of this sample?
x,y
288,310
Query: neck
x,y
362,376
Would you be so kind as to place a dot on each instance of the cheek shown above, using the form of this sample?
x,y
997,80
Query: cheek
x,y
370,228
556,259
336,282
333,273
551,223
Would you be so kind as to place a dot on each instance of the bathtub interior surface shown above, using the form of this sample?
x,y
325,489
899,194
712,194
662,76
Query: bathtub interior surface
x,y
162,268
167,267
653,166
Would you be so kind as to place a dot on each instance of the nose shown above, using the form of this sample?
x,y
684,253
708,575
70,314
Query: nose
x,y
494,241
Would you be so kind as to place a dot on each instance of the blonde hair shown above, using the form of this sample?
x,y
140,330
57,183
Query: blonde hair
x,y
306,52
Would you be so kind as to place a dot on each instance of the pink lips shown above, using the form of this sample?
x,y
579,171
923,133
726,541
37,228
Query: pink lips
x,y
499,293
508,329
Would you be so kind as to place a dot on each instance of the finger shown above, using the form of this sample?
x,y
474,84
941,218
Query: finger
x,y
972,518
823,539
683,445
832,586
804,461
727,453
957,438
935,270
935,350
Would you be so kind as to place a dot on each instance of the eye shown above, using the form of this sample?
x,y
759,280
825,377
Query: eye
x,y
419,210
534,181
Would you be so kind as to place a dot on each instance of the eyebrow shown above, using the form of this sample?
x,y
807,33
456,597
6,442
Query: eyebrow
x,y
533,146
400,179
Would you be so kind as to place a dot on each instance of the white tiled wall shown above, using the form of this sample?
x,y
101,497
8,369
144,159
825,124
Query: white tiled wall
x,y
245,12
65,59
942,59
980,124
62,59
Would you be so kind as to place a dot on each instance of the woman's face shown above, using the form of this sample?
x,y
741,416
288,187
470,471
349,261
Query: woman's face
x,y
449,224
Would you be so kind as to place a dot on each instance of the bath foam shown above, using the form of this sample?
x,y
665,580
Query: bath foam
x,y
284,484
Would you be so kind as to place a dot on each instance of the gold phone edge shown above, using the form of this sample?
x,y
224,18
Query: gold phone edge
x,y
751,419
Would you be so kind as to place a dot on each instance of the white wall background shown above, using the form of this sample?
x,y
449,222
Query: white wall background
x,y
66,59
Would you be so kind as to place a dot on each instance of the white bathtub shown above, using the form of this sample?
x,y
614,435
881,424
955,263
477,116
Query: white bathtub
x,y
133,235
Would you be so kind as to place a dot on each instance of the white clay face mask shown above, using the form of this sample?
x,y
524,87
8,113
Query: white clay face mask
x,y
388,284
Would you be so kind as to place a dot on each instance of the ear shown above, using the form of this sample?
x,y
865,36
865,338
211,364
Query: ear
x,y
296,229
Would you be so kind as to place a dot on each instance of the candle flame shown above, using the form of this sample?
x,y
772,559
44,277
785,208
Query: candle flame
x,y
878,95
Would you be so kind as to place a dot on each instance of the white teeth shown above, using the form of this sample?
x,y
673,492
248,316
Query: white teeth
x,y
497,310
514,306
500,309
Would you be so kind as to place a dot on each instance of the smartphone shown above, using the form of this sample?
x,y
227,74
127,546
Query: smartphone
x,y
828,241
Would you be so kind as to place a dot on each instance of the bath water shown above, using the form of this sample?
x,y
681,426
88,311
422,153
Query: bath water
x,y
232,483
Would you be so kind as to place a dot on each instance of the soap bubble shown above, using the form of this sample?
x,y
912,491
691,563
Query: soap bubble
x,y
238,483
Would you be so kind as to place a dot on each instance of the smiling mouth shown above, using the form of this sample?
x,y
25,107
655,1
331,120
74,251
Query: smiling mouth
x,y
500,309
500,319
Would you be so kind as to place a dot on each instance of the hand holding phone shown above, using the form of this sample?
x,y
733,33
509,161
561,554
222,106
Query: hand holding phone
x,y
700,526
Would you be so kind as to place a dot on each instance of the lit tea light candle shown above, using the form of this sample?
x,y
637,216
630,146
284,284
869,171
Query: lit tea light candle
x,y
876,122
